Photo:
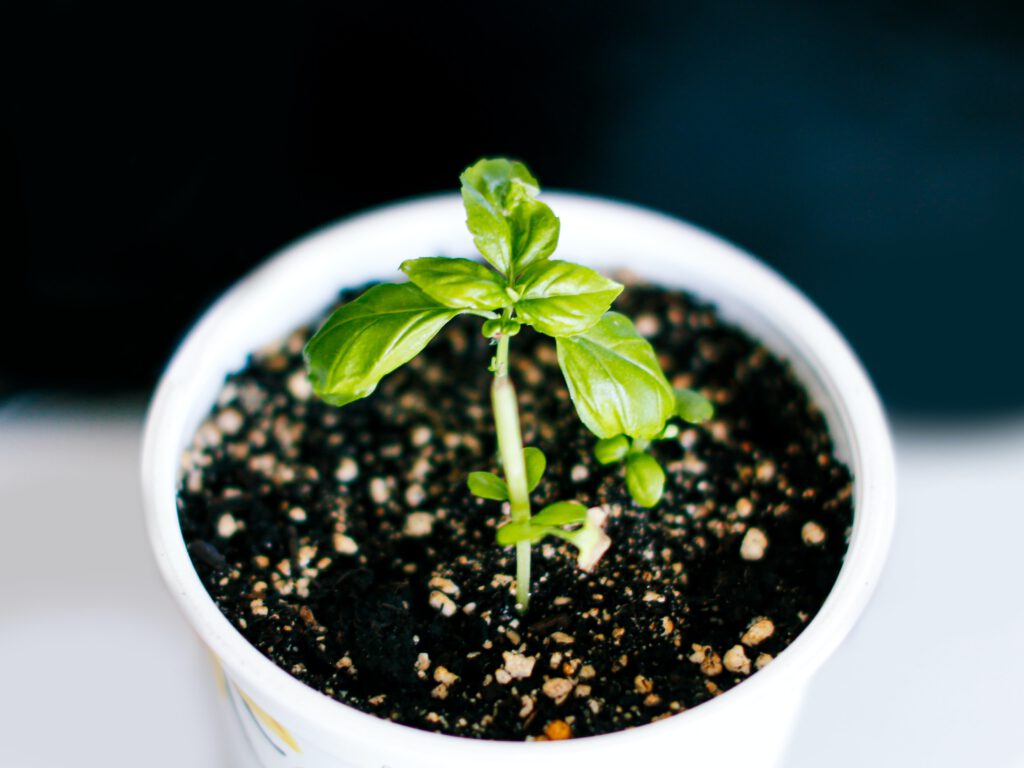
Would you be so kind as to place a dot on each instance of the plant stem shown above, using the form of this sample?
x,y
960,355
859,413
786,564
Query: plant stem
x,y
639,445
510,449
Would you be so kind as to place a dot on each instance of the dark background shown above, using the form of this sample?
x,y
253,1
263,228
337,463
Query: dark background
x,y
872,152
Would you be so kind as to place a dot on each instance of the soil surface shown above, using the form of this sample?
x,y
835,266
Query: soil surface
x,y
344,544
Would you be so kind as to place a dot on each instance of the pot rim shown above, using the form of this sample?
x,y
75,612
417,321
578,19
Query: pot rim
x,y
800,321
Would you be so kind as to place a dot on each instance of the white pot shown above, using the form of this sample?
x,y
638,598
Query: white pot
x,y
288,723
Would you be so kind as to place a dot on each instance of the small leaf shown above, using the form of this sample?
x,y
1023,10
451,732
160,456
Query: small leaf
x,y
611,449
513,533
458,283
692,406
490,189
368,338
645,479
500,326
590,539
615,380
487,485
536,463
560,513
563,299
535,231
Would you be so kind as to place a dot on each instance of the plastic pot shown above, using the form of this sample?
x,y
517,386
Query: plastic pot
x,y
284,722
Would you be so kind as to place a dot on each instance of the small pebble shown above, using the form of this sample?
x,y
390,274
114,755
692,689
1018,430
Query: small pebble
x,y
347,470
227,526
442,675
299,386
754,543
558,730
758,631
765,471
446,585
526,709
812,534
421,436
736,660
557,688
422,664
344,545
443,603
418,524
647,325
518,665
415,495
379,490
230,421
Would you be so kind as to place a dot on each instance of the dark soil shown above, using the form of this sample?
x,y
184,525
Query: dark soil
x,y
345,546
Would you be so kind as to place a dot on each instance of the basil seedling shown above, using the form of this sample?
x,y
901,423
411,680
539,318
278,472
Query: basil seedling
x,y
613,376
645,478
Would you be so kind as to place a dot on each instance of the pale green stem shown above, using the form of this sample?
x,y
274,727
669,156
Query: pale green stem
x,y
510,449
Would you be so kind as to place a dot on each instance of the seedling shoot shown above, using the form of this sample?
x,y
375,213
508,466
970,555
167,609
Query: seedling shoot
x,y
612,372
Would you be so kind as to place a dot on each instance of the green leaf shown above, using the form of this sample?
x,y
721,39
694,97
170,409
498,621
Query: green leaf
x,y
560,513
366,339
645,479
510,228
615,380
692,406
487,485
458,283
563,299
536,463
500,326
611,449
589,538
535,231
513,533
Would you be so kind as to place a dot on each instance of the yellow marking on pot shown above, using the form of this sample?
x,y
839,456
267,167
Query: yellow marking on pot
x,y
270,722
218,673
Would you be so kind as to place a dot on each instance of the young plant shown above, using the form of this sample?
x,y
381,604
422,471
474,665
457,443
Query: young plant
x,y
612,373
645,478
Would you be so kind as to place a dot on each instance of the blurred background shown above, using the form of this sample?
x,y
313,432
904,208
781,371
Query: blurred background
x,y
152,153
871,151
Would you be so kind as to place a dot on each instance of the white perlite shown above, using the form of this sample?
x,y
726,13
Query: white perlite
x,y
227,526
344,545
812,534
759,631
299,386
441,602
754,543
557,688
517,665
418,524
347,470
229,421
736,660
379,490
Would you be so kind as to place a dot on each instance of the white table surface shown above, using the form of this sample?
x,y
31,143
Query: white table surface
x,y
98,669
